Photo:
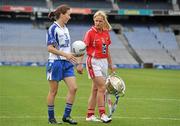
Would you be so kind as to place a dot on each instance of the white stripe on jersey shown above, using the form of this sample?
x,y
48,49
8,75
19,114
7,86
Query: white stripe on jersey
x,y
58,37
49,75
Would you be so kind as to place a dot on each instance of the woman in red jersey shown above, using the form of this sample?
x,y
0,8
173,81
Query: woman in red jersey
x,y
97,40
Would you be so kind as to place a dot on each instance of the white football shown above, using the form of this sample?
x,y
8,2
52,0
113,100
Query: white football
x,y
78,48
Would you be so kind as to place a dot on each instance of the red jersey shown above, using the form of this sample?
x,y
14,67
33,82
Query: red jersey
x,y
97,43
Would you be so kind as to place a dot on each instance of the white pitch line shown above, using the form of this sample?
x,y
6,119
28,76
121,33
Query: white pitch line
x,y
154,99
83,117
125,98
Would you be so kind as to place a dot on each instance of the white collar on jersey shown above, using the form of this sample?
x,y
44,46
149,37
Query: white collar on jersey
x,y
60,25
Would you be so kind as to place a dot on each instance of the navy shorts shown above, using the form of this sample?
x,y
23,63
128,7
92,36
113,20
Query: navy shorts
x,y
57,70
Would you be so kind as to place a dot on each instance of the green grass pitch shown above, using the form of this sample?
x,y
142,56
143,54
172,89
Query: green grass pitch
x,y
152,98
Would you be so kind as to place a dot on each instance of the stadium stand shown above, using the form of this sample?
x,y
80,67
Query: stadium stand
x,y
35,3
151,44
120,55
144,4
85,4
22,30
30,44
77,30
178,39
167,39
20,42
75,4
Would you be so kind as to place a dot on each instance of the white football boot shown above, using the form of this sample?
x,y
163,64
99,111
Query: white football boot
x,y
105,118
92,118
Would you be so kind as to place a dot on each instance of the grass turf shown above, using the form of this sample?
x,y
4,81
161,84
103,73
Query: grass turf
x,y
152,98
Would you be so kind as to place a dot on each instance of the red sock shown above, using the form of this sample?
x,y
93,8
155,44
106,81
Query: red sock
x,y
101,110
90,112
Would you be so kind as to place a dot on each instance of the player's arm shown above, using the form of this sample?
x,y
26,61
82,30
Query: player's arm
x,y
53,50
110,65
68,56
79,66
86,40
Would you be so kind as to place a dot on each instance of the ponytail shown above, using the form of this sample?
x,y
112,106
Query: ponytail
x,y
55,15
51,16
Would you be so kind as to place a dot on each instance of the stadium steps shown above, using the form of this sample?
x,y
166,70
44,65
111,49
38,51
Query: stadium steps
x,y
168,42
176,53
168,51
23,54
121,56
146,45
129,48
155,56
115,5
119,53
175,7
178,40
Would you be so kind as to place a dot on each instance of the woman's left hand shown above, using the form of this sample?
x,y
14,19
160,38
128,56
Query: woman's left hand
x,y
79,68
112,69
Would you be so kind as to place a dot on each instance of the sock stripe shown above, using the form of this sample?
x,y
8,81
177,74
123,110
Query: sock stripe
x,y
50,108
68,105
51,111
67,110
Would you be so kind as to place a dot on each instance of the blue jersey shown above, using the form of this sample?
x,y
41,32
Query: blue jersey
x,y
58,37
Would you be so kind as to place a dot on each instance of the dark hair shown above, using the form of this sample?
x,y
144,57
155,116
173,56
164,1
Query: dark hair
x,y
62,9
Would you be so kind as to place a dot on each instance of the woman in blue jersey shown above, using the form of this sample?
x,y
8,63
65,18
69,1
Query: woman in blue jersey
x,y
60,62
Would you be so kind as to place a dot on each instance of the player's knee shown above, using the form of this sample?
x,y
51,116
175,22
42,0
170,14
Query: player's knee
x,y
102,89
73,90
53,93
95,89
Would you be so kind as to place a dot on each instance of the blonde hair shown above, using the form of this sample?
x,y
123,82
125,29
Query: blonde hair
x,y
107,26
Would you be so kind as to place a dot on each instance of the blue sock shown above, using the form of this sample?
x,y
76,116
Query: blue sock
x,y
51,111
67,110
